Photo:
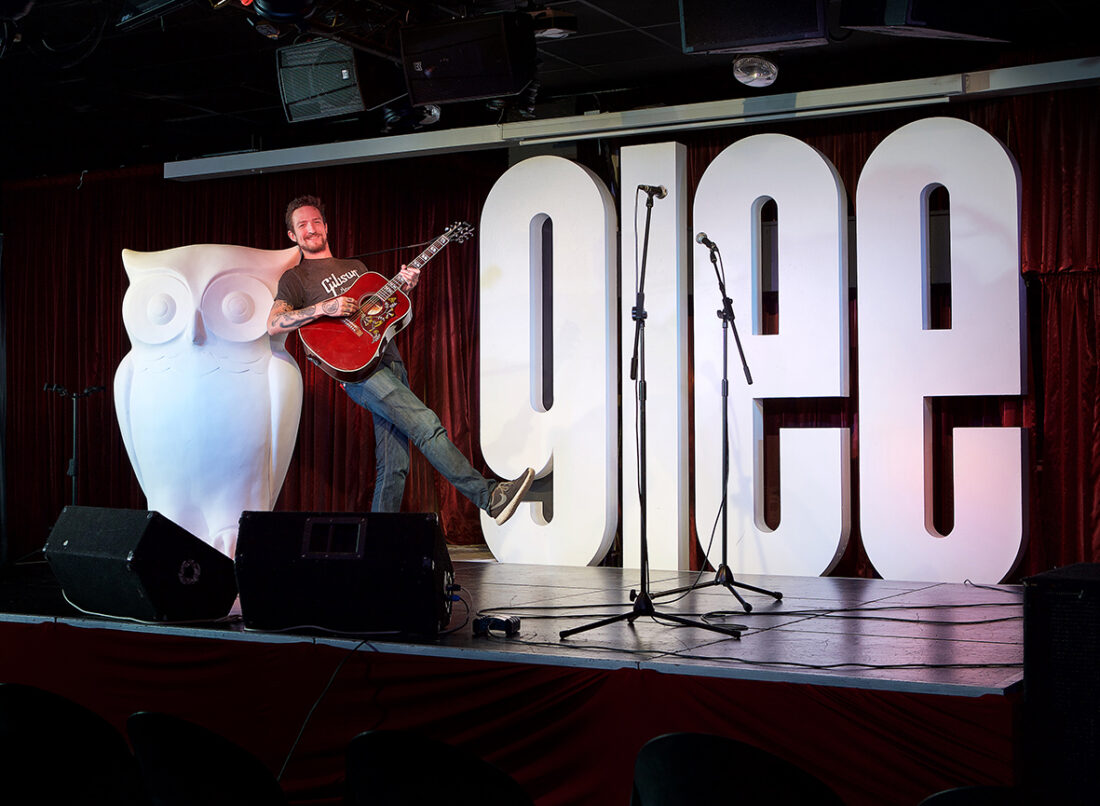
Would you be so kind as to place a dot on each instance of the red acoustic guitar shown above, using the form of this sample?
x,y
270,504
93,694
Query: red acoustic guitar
x,y
349,348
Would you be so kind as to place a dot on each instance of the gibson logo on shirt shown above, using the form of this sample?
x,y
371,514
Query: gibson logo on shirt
x,y
333,282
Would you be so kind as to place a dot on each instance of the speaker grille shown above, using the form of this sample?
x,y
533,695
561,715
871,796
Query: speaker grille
x,y
318,80
1062,700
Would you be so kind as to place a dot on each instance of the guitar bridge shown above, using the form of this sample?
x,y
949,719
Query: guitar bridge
x,y
354,328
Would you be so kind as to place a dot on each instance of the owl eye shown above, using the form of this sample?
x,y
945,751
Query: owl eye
x,y
235,307
157,309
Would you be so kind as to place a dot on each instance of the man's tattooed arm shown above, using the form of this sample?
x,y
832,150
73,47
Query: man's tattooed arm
x,y
284,319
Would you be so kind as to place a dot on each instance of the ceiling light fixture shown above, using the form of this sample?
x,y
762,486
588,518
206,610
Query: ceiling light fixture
x,y
429,115
755,71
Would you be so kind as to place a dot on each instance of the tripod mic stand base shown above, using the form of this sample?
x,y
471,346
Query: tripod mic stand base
x,y
643,606
724,577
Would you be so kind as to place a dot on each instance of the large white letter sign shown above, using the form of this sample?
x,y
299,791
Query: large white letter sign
x,y
903,364
807,358
666,360
576,435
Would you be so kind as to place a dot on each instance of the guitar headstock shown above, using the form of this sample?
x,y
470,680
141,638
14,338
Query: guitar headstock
x,y
459,231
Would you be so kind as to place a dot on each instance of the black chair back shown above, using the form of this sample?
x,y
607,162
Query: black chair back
x,y
991,795
690,768
53,750
184,764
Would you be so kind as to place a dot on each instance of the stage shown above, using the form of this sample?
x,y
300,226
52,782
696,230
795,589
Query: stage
x,y
886,690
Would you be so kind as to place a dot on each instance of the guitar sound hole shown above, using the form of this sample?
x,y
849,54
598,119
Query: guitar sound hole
x,y
374,310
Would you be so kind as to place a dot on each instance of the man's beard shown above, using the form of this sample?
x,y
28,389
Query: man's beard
x,y
319,246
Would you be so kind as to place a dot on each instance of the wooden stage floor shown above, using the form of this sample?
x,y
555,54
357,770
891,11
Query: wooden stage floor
x,y
959,639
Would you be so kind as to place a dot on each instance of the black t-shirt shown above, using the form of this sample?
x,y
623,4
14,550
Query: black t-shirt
x,y
315,280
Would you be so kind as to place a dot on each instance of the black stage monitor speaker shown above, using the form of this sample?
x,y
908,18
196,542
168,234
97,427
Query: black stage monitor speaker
x,y
318,80
482,57
1061,674
979,20
743,26
344,572
137,564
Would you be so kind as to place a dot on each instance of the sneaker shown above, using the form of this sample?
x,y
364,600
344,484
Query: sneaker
x,y
506,496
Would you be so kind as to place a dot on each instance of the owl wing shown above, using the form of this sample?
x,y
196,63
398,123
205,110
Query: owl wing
x,y
286,388
124,378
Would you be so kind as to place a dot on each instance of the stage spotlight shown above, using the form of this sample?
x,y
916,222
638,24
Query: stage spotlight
x,y
399,117
291,11
429,115
755,71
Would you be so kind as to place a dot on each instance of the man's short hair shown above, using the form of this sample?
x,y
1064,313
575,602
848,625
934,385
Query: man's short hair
x,y
303,201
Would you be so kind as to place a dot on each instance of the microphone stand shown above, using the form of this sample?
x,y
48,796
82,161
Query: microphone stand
x,y
74,396
724,576
643,602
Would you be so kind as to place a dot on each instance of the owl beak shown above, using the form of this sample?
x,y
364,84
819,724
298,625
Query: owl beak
x,y
198,332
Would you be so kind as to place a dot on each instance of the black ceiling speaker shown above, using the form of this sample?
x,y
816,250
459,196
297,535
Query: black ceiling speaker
x,y
747,26
137,564
481,57
348,572
318,80
981,20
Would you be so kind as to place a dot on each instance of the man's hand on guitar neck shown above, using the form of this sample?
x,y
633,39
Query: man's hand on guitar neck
x,y
409,276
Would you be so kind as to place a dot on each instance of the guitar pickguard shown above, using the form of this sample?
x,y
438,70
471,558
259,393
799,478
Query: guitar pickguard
x,y
375,320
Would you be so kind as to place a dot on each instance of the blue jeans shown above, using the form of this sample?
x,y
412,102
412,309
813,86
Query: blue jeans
x,y
400,416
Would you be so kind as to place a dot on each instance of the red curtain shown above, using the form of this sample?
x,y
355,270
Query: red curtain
x,y
63,285
568,735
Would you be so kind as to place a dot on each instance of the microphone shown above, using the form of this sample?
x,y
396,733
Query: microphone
x,y
654,190
705,241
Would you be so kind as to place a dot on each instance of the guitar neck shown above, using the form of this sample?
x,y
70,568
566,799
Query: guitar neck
x,y
417,263
433,249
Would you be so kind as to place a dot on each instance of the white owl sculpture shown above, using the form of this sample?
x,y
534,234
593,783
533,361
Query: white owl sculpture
x,y
207,402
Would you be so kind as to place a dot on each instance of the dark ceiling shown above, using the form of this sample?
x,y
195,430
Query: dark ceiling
x,y
81,92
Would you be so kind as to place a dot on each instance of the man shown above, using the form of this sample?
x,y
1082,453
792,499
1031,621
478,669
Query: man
x,y
313,289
